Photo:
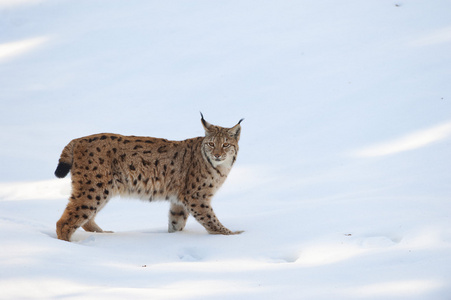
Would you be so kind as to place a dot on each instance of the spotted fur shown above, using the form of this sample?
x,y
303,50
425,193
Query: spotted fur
x,y
187,173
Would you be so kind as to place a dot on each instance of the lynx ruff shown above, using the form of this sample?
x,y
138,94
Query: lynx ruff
x,y
187,173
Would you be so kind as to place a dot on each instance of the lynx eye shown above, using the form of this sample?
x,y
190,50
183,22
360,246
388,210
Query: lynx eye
x,y
226,145
211,144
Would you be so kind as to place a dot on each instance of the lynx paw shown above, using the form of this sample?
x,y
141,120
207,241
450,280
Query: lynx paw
x,y
226,232
238,232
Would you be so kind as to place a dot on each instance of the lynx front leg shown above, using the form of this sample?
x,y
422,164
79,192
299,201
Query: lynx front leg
x,y
178,215
205,215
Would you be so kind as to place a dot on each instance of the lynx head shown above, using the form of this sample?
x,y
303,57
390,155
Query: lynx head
x,y
220,144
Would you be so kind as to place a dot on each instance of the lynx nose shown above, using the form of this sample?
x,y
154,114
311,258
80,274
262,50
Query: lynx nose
x,y
217,156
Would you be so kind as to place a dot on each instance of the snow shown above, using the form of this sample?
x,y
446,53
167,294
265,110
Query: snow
x,y
342,184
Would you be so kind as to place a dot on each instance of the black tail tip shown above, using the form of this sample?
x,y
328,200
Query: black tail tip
x,y
62,170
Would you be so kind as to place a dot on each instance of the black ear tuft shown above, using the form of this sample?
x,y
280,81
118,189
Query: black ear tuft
x,y
203,120
239,122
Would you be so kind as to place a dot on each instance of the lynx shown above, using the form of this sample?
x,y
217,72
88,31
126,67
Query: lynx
x,y
186,173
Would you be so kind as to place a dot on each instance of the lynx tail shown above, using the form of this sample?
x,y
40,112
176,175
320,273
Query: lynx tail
x,y
65,161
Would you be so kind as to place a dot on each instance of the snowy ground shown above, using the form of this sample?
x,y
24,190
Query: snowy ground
x,y
342,184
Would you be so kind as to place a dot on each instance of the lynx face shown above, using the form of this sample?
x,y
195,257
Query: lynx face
x,y
220,148
220,144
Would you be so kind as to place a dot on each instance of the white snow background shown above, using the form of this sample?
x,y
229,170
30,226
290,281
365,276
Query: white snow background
x,y
342,184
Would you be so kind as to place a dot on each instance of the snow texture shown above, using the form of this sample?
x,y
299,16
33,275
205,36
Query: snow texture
x,y
342,184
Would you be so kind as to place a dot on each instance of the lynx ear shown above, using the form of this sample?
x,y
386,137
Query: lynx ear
x,y
207,126
235,131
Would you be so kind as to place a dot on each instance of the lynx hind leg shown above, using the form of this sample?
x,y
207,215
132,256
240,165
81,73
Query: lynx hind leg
x,y
74,216
91,226
178,215
80,212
